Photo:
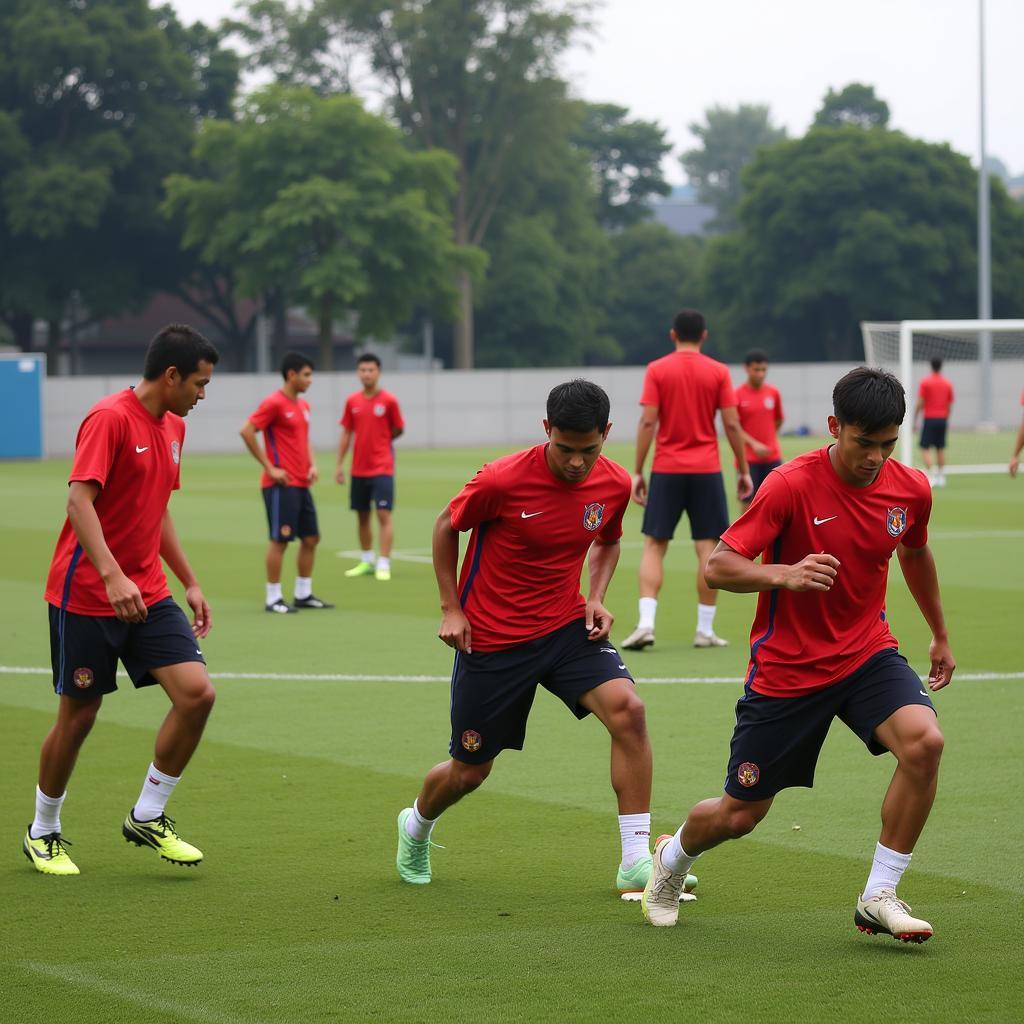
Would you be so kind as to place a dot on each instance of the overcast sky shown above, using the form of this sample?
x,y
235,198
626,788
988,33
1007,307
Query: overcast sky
x,y
669,60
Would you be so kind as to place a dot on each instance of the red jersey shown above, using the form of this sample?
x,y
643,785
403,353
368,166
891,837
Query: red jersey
x,y
801,642
688,388
285,425
373,421
760,409
937,394
135,458
531,533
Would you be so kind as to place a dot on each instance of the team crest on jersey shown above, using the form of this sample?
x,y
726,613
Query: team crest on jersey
x,y
471,740
176,452
748,773
379,409
896,521
83,678
593,516
769,403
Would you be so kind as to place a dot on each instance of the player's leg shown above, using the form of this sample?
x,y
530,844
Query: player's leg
x,y
309,538
708,512
360,494
383,502
281,525
940,453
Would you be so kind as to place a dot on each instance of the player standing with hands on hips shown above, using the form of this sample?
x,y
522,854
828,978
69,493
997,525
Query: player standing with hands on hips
x,y
825,526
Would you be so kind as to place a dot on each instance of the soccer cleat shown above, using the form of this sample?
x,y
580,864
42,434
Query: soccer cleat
x,y
383,575
708,640
664,889
159,833
48,853
362,569
640,638
281,607
886,914
413,860
631,882
310,602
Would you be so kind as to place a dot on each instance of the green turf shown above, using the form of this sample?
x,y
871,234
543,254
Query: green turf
x,y
297,914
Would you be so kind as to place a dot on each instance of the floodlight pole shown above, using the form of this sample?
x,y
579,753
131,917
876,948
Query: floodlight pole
x,y
984,237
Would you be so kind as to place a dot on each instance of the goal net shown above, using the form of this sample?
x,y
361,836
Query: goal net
x,y
983,360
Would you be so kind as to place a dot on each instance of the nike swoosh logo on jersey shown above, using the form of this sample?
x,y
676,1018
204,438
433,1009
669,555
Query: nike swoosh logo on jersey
x,y
828,519
139,451
531,514
924,693
288,415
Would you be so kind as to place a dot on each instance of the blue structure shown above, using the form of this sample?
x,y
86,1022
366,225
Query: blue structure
x,y
21,405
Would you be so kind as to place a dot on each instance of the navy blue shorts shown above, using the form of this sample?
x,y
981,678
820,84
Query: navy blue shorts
x,y
492,691
933,433
700,495
758,472
84,648
776,742
290,513
368,492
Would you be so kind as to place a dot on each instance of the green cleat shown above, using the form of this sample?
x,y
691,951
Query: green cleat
x,y
632,882
413,860
362,569
159,833
48,855
383,575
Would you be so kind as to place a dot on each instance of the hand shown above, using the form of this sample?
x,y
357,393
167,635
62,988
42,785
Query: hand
x,y
599,621
815,572
278,475
943,664
1014,465
456,631
313,475
339,475
126,599
201,621
762,451
639,489
744,486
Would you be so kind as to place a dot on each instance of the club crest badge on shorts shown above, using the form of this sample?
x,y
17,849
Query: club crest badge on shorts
x,y
593,516
896,521
175,452
748,774
83,678
472,741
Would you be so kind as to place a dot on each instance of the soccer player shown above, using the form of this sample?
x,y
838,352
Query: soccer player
x,y
373,417
934,399
289,470
108,596
516,619
681,393
826,525
760,410
1018,444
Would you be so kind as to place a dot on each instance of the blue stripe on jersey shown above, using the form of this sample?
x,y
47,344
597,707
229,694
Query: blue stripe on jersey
x,y
62,615
474,568
272,444
772,606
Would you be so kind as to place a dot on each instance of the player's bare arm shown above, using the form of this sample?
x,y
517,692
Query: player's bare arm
x,y
397,432
728,570
248,434
346,440
760,449
601,562
918,565
314,473
735,435
124,596
455,629
1017,446
644,437
173,554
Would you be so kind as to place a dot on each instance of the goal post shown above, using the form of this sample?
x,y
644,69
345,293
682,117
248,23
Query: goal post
x,y
984,360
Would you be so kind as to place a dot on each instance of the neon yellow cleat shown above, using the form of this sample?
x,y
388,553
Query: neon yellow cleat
x,y
159,833
362,569
48,855
383,575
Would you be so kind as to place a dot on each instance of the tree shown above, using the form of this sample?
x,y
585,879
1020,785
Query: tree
x,y
626,160
856,105
729,141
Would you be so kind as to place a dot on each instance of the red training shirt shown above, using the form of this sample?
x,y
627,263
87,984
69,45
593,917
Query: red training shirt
x,y
759,410
520,577
688,388
135,458
372,420
285,425
801,642
937,393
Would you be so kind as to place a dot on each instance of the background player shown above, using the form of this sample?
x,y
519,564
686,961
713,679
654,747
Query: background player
x,y
374,418
934,399
760,411
108,596
289,470
826,525
682,391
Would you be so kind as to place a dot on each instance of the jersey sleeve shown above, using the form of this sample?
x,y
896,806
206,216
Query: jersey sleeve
x,y
779,414
99,438
348,421
649,395
726,394
176,486
611,530
479,501
395,415
764,520
265,413
917,535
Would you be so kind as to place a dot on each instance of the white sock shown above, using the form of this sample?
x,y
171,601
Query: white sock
x,y
417,826
674,857
648,609
886,870
383,563
47,819
273,592
368,557
635,833
156,791
706,618
303,587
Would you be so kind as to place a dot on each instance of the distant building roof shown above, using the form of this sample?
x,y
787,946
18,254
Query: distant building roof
x,y
680,212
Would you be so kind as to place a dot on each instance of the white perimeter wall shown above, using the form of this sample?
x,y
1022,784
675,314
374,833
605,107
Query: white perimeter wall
x,y
452,408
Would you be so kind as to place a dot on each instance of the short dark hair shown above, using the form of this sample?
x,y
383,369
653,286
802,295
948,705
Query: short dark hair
x,y
689,325
579,406
295,361
936,363
180,346
870,398
368,357
755,355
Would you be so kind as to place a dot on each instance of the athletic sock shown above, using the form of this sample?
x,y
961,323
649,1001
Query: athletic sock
x,y
648,610
273,592
47,819
303,587
368,557
886,870
706,618
383,563
635,833
156,791
417,826
674,857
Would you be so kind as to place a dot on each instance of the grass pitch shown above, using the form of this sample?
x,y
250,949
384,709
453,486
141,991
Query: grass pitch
x,y
297,913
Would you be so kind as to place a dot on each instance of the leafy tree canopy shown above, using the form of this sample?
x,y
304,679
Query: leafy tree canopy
x,y
855,105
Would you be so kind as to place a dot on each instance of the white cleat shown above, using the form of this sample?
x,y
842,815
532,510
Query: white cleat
x,y
887,914
640,638
660,901
708,640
